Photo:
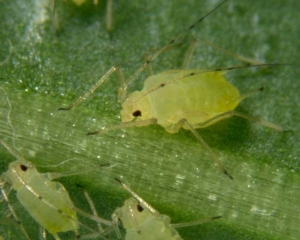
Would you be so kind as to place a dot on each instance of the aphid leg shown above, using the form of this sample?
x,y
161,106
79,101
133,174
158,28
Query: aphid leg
x,y
91,91
193,223
109,14
56,237
92,217
12,211
93,208
170,44
201,140
189,53
146,57
115,221
258,120
42,234
125,125
247,60
101,231
55,17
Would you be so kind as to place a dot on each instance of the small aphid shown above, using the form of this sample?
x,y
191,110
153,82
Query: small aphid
x,y
176,99
142,221
48,202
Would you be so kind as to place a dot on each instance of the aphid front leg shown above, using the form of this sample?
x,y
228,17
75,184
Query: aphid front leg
x,y
91,91
245,116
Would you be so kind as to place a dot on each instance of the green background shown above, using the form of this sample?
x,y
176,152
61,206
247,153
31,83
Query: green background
x,y
48,69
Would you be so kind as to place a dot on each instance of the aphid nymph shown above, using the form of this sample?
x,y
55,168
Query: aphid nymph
x,y
142,221
48,202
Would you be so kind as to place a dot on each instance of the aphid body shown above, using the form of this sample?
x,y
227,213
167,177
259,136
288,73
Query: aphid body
x,y
46,201
197,98
176,99
151,226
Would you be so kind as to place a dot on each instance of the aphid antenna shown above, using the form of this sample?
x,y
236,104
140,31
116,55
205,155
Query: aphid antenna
x,y
78,160
13,152
172,42
125,83
143,203
194,223
56,175
137,227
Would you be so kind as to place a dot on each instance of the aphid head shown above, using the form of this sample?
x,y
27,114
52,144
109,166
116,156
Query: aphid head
x,y
136,107
19,172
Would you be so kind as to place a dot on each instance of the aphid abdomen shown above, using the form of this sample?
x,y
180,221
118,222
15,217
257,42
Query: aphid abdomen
x,y
52,208
196,98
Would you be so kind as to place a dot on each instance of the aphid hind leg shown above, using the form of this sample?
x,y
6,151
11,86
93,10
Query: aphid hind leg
x,y
194,223
242,115
12,211
201,140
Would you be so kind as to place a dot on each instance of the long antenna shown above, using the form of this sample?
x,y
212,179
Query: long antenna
x,y
172,42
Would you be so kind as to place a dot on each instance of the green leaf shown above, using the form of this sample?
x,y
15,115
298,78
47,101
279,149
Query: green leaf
x,y
49,68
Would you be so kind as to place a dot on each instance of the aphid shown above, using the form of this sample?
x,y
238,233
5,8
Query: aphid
x,y
142,221
48,202
109,12
176,99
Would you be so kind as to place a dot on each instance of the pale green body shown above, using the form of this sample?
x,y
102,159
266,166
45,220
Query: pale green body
x,y
152,227
197,98
54,196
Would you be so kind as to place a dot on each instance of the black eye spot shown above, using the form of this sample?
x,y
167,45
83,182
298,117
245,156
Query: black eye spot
x,y
137,113
23,167
140,208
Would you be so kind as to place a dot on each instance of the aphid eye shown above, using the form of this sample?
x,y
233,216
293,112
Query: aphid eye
x,y
140,208
23,168
137,113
